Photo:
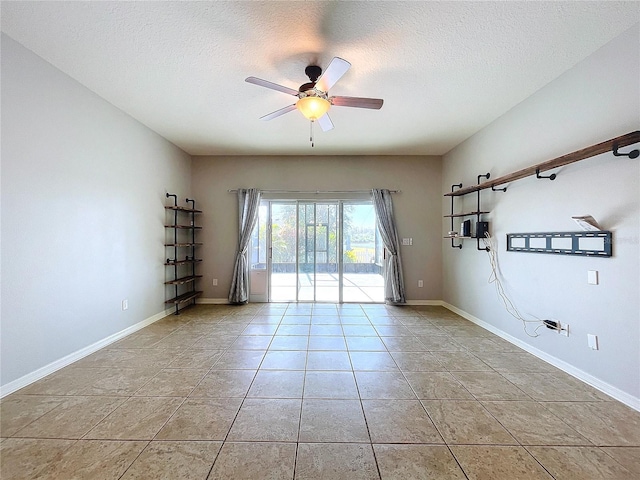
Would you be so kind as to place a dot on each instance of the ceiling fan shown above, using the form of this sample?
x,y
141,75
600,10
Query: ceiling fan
x,y
313,97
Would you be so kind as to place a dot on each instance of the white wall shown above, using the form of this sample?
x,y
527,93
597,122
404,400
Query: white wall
x,y
596,100
83,188
417,207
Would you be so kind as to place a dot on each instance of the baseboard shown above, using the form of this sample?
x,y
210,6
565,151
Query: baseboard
x,y
224,301
589,379
212,301
436,303
75,356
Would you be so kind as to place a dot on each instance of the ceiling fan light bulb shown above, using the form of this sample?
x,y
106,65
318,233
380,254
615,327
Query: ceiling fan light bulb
x,y
313,107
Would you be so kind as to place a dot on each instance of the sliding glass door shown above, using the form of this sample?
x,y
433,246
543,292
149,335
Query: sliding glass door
x,y
362,258
318,251
318,241
283,244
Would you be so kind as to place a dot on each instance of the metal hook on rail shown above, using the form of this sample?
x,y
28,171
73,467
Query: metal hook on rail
x,y
632,154
485,176
550,177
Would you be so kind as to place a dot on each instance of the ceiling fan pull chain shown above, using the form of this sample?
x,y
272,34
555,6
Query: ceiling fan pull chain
x,y
311,134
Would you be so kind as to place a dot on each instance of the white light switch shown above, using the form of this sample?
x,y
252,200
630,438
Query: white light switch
x,y
592,277
593,341
407,241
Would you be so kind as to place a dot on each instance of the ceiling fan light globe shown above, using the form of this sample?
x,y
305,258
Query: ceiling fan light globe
x,y
313,107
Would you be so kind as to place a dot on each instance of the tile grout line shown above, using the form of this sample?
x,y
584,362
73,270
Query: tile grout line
x,y
304,384
364,416
237,413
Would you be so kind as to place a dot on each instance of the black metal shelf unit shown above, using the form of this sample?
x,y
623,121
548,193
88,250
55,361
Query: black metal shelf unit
x,y
184,269
478,212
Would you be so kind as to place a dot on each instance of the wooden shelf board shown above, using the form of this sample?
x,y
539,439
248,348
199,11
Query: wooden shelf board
x,y
468,214
190,227
593,150
184,262
182,244
185,297
182,209
453,238
183,280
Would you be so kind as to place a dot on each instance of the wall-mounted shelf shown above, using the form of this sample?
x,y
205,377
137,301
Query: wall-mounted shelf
x,y
182,244
183,280
593,150
184,298
468,214
187,261
182,209
476,213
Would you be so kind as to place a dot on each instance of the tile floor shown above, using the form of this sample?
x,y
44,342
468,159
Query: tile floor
x,y
301,391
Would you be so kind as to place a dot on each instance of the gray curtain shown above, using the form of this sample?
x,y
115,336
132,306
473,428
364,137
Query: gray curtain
x,y
248,203
393,280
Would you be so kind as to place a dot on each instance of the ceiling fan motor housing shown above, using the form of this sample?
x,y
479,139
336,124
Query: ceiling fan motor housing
x,y
313,72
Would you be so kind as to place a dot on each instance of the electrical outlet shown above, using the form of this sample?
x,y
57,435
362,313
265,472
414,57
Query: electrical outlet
x,y
125,304
215,282
592,340
420,283
564,329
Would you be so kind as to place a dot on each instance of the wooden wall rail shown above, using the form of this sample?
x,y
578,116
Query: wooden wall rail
x,y
593,150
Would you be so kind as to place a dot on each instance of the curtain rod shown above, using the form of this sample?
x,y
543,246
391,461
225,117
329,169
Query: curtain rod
x,y
317,192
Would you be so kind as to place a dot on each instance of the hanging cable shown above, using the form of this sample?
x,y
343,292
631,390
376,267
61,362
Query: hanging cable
x,y
506,301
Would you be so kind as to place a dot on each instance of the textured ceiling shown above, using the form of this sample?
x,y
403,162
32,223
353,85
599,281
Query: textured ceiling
x,y
444,69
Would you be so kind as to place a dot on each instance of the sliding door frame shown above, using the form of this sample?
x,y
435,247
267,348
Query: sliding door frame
x,y
339,244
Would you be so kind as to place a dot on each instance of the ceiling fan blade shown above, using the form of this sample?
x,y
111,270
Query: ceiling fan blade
x,y
334,72
325,123
277,113
360,102
271,85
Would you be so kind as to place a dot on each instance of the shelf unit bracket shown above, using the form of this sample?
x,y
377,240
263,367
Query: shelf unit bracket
x,y
493,188
193,236
486,176
175,198
453,187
